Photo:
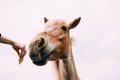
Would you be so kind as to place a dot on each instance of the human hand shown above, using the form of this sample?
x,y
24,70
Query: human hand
x,y
19,48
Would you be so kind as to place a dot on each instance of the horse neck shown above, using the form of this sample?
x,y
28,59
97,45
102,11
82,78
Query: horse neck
x,y
66,69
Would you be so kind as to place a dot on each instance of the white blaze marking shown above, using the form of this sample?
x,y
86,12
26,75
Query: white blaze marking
x,y
48,30
51,46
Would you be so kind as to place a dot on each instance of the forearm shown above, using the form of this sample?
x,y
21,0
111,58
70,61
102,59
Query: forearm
x,y
5,40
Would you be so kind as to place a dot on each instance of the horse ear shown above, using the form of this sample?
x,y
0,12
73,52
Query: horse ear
x,y
45,20
74,23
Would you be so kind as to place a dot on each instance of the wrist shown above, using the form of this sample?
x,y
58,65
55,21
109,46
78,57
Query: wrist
x,y
11,43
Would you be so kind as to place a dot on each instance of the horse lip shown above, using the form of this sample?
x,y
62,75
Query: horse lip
x,y
43,61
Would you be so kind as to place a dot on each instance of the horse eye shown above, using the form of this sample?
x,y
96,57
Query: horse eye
x,y
64,28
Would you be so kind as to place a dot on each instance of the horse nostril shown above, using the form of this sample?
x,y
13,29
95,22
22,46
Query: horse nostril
x,y
41,42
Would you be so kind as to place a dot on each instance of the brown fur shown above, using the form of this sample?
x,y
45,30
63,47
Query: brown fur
x,y
54,44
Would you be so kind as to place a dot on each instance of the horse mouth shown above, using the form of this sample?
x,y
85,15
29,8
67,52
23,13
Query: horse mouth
x,y
43,61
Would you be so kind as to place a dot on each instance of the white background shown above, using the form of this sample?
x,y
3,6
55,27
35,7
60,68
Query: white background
x,y
97,38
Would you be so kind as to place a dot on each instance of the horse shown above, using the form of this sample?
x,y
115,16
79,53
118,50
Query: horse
x,y
54,44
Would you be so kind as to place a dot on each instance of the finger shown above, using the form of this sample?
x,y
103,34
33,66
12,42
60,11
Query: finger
x,y
23,52
18,52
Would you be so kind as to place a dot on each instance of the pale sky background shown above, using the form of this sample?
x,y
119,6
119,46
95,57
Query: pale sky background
x,y
97,38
